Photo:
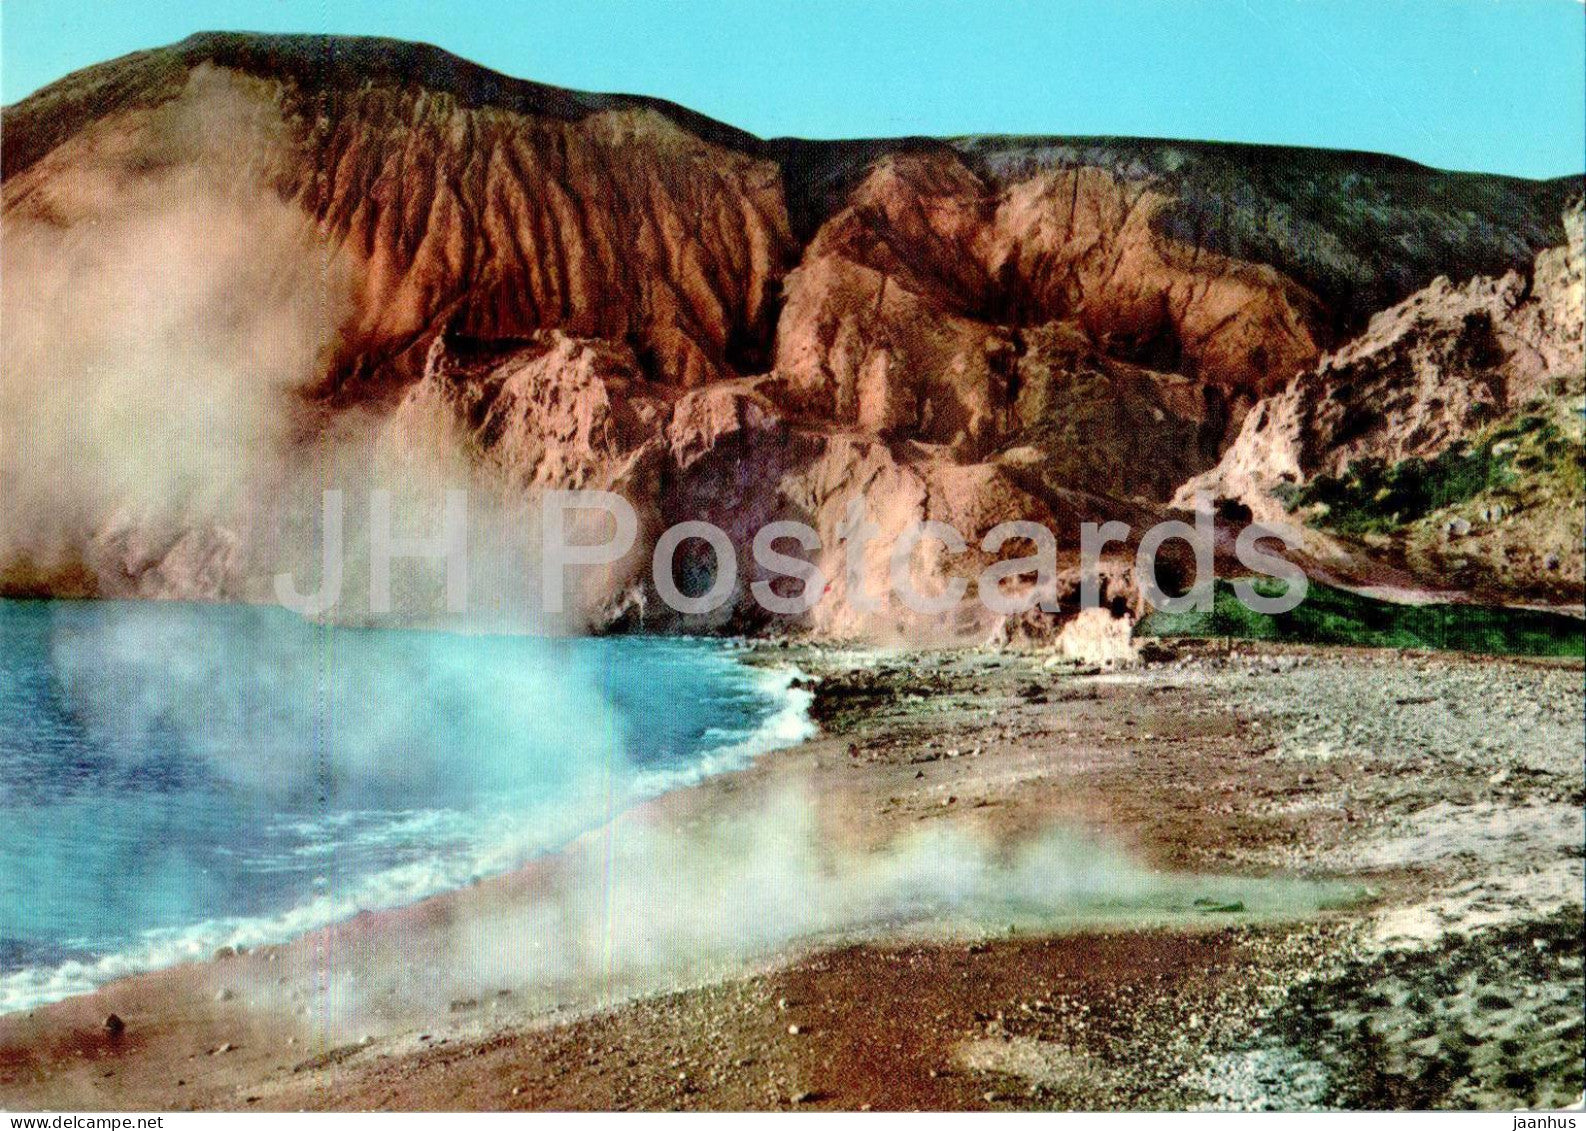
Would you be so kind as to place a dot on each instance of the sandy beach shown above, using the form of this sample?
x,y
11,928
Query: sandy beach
x,y
1229,876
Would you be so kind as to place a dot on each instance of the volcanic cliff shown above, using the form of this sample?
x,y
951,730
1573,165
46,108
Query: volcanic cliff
x,y
1446,438
245,266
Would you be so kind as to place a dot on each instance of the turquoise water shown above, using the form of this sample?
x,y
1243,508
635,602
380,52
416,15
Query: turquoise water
x,y
176,777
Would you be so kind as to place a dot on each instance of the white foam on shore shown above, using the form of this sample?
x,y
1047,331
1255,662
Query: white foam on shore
x,y
508,841
787,725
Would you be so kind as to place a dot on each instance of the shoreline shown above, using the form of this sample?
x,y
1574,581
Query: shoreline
x,y
394,884
1208,761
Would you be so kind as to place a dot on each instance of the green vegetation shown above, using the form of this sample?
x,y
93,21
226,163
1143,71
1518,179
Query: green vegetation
x,y
1373,498
1334,616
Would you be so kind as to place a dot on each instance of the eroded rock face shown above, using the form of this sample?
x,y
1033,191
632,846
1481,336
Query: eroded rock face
x,y
1426,373
1081,241
1442,368
907,314
553,411
522,288
621,226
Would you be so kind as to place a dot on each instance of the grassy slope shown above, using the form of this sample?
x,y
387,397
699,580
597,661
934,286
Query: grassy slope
x,y
1515,487
1522,456
1334,616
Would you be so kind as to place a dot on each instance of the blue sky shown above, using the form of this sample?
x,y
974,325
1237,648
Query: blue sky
x,y
1491,85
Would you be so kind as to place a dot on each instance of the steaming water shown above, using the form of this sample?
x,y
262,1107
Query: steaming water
x,y
175,778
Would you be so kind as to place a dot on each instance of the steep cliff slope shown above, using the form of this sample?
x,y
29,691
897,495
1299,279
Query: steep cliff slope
x,y
1446,437
245,268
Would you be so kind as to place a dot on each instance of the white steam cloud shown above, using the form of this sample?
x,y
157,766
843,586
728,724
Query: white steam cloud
x,y
649,903
161,305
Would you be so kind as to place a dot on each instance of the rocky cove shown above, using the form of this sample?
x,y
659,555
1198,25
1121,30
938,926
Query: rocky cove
x,y
1372,865
1051,856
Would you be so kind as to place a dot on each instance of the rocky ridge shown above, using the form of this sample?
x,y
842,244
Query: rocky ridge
x,y
568,289
1494,364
